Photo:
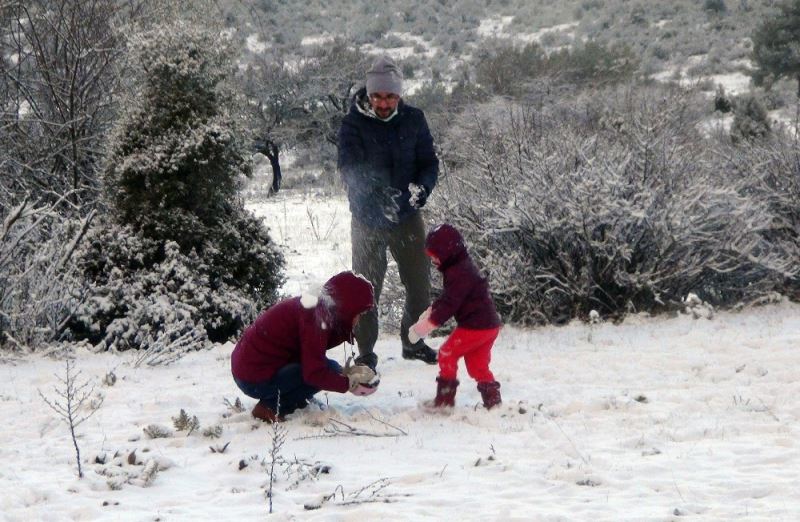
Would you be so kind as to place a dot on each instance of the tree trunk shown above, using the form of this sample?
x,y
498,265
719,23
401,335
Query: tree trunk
x,y
273,153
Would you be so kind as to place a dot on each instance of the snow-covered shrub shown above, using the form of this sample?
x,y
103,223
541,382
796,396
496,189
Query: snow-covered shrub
x,y
750,120
181,260
770,170
37,274
509,70
607,203
157,431
178,156
144,293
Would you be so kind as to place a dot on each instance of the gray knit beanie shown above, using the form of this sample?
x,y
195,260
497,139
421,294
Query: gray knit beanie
x,y
384,76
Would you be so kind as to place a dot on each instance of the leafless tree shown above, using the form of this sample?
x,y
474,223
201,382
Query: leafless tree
x,y
60,72
38,288
299,101
271,90
331,75
70,408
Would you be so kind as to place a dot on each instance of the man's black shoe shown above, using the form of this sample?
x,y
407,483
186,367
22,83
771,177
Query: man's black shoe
x,y
421,352
368,359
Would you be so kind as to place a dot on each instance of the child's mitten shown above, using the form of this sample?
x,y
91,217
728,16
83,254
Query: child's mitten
x,y
420,329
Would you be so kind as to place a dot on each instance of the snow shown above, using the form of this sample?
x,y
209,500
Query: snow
x,y
309,300
716,123
255,45
404,51
497,27
567,29
734,83
314,231
786,117
320,39
651,419
494,26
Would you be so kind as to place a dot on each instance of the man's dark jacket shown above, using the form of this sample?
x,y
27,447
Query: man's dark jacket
x,y
379,159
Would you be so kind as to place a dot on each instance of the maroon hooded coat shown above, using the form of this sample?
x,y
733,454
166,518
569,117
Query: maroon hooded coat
x,y
466,292
288,332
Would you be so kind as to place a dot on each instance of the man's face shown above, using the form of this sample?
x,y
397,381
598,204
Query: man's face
x,y
384,103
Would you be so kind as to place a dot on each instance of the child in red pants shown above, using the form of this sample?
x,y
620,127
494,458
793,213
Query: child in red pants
x,y
465,297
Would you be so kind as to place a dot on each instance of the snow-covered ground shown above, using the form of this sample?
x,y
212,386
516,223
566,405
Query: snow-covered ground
x,y
498,27
734,83
255,45
653,419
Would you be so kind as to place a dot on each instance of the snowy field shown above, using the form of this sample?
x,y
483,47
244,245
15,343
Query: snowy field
x,y
654,419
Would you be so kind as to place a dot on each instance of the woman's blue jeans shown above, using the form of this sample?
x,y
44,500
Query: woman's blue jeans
x,y
286,391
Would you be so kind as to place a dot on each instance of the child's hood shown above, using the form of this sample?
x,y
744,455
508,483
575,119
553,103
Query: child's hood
x,y
446,243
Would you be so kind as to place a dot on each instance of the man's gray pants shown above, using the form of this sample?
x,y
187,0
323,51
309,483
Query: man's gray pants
x,y
406,242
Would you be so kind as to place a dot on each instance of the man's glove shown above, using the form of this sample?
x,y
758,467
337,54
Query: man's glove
x,y
422,328
360,378
390,205
419,195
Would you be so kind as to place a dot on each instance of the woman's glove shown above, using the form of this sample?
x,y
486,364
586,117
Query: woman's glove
x,y
360,379
364,390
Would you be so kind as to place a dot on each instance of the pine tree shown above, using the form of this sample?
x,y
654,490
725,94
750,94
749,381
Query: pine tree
x,y
175,159
776,45
750,121
172,173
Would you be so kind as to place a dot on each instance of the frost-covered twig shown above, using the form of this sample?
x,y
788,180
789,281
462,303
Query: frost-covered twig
x,y
371,493
403,432
168,345
38,284
338,428
572,443
277,439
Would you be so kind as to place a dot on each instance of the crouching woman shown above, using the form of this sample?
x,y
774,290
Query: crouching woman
x,y
281,358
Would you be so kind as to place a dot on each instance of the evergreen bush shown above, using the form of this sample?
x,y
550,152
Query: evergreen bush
x,y
180,253
750,121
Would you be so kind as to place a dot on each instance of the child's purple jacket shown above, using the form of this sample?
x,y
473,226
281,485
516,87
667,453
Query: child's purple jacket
x,y
466,292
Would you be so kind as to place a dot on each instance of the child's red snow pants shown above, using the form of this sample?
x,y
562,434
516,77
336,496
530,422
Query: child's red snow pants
x,y
475,346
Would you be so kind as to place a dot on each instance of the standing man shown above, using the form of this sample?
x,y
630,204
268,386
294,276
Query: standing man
x,y
389,167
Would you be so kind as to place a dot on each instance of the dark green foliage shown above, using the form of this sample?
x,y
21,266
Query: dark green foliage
x,y
750,121
716,6
593,62
508,69
505,70
775,46
722,102
177,150
182,242
408,70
